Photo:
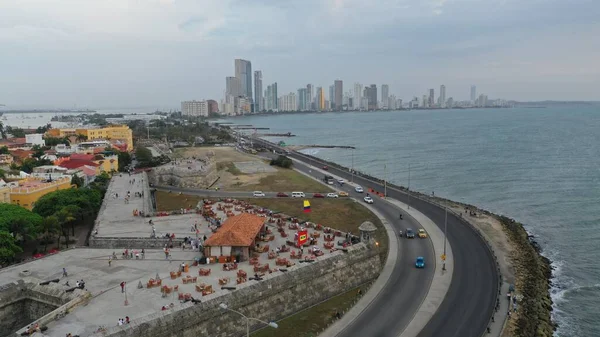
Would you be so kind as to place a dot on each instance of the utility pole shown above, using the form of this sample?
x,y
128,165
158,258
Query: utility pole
x,y
384,181
352,170
445,230
408,190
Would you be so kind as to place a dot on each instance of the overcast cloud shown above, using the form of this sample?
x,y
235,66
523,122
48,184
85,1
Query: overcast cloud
x,y
125,53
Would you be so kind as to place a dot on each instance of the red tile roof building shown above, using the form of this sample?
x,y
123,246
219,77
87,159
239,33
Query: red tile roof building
x,y
235,237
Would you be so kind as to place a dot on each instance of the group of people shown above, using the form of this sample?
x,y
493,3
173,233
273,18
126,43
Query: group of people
x,y
123,321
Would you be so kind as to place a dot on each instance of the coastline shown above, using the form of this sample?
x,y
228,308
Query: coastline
x,y
526,267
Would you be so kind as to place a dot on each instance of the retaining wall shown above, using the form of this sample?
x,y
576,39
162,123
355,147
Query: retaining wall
x,y
131,242
277,296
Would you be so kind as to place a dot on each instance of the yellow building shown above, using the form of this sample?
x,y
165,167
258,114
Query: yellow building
x,y
31,189
5,194
113,132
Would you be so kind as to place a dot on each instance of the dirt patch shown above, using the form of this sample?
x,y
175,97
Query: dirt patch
x,y
166,201
222,154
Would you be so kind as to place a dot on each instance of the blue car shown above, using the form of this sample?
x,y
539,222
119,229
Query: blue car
x,y
420,262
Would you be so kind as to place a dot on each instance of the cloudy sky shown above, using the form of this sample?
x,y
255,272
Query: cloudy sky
x,y
156,53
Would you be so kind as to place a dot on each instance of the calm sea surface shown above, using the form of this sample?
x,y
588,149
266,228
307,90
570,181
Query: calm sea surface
x,y
539,166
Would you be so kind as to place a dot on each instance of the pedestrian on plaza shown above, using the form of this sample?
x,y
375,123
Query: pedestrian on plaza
x,y
123,286
65,272
143,254
109,260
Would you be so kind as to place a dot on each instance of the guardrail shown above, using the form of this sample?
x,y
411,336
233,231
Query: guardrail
x,y
422,197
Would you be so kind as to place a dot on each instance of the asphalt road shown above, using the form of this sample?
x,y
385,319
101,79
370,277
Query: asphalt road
x,y
470,301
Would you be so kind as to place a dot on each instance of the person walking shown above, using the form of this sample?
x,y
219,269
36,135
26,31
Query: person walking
x,y
109,260
123,286
65,272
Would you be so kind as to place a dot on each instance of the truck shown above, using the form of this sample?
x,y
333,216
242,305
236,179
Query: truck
x,y
328,179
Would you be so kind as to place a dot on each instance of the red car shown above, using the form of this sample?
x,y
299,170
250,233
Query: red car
x,y
325,168
282,195
318,195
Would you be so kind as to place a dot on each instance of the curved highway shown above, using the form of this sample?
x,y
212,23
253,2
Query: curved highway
x,y
470,301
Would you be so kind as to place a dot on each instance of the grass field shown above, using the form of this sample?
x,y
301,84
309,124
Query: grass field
x,y
166,201
284,180
310,322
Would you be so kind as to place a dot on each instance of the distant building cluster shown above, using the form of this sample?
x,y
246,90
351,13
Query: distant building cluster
x,y
240,98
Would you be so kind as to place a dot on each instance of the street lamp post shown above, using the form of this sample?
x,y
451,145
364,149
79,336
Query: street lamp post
x,y
352,170
445,231
248,319
384,181
408,187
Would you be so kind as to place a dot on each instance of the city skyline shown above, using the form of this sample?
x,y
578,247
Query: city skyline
x,y
161,52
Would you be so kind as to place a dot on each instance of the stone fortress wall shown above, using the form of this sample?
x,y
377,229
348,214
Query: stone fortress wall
x,y
187,173
25,302
273,298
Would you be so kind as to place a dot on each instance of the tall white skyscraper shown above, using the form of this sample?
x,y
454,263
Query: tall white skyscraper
x,y
310,97
473,93
357,96
243,71
232,86
331,96
258,92
442,101
385,91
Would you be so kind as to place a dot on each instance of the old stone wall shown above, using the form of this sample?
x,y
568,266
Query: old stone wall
x,y
11,306
276,297
172,174
131,243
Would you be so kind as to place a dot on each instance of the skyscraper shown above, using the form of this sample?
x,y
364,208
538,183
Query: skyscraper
x,y
232,86
302,99
372,97
431,100
442,101
310,97
356,102
339,95
473,93
258,92
243,71
271,97
320,102
331,96
385,91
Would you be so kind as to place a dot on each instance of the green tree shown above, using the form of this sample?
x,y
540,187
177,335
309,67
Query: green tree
x,y
19,221
124,160
8,247
52,141
65,217
144,156
2,130
84,198
77,180
48,229
100,184
81,138
4,150
282,161
16,132
38,151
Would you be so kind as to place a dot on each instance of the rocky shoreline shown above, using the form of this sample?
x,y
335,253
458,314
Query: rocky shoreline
x,y
532,270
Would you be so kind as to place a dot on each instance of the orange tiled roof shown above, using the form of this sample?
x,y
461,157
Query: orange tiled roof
x,y
237,231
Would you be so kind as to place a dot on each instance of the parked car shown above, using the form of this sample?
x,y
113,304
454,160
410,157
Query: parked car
x,y
332,195
258,194
410,234
368,200
343,194
318,195
282,195
359,189
422,233
420,263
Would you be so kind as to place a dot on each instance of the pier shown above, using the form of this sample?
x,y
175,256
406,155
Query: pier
x,y
289,134
301,147
248,128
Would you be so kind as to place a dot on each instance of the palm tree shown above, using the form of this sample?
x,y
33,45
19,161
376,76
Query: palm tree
x,y
49,227
2,131
64,217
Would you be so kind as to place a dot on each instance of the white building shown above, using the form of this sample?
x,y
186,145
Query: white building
x,y
194,108
442,99
35,139
288,102
364,103
358,89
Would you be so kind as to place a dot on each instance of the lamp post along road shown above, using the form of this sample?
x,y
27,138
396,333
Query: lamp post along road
x,y
248,319
352,169
445,237
408,187
384,181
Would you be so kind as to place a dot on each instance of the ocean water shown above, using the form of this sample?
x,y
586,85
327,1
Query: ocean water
x,y
538,166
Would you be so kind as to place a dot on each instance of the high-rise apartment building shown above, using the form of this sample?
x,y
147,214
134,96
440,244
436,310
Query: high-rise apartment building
x,y
310,97
213,106
431,99
442,101
288,102
357,96
302,99
243,71
473,93
232,86
338,88
320,99
258,92
385,91
331,97
194,108
271,97
372,95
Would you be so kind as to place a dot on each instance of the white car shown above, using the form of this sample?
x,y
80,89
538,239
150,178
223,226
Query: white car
x,y
258,194
340,181
332,195
368,200
359,189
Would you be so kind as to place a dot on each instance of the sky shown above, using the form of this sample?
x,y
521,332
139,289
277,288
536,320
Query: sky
x,y
157,53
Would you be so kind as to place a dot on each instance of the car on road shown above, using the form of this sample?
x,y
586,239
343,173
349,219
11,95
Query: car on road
x,y
341,181
258,194
343,194
422,233
420,263
359,189
410,234
325,167
332,195
318,195
368,200
282,195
